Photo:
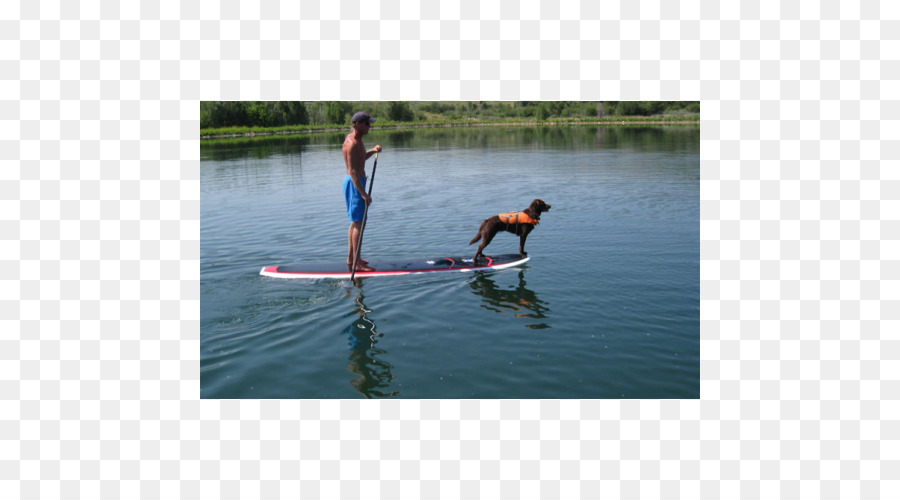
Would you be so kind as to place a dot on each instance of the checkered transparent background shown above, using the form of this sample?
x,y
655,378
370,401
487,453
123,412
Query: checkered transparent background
x,y
99,264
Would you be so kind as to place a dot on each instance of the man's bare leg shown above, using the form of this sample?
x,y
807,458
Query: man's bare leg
x,y
353,240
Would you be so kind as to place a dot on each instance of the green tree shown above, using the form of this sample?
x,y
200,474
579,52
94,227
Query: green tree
x,y
399,111
223,114
628,108
336,112
543,111
257,115
289,113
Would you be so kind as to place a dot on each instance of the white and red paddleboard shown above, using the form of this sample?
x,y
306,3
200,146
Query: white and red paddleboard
x,y
396,267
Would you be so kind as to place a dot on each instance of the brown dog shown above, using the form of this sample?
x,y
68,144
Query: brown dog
x,y
520,223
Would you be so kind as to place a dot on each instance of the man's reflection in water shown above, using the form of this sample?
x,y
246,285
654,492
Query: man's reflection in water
x,y
374,374
521,302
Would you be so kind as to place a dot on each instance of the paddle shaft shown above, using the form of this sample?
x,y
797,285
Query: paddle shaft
x,y
365,216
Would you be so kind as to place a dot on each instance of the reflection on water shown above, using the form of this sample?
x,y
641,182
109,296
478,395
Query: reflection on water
x,y
520,301
374,374
577,138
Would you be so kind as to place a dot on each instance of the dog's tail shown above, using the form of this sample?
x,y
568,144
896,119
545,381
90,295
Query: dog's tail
x,y
478,236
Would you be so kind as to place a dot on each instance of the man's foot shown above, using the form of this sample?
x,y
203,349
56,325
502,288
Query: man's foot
x,y
361,261
361,266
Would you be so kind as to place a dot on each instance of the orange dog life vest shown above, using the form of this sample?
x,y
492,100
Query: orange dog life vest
x,y
517,218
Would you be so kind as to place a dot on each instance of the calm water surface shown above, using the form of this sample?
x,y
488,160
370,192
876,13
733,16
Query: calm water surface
x,y
608,306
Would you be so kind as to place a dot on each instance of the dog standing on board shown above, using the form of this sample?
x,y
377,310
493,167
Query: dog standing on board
x,y
519,223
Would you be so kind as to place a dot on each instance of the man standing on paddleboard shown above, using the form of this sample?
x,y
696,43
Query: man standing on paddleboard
x,y
355,156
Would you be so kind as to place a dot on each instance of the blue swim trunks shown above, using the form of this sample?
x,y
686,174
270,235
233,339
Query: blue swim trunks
x,y
356,207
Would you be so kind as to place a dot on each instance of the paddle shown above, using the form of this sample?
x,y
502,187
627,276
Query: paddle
x,y
365,216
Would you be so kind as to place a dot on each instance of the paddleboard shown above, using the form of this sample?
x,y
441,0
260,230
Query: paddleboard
x,y
396,267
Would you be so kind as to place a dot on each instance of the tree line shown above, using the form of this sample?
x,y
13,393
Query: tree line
x,y
221,114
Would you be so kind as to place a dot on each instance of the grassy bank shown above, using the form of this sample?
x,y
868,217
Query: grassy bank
x,y
437,122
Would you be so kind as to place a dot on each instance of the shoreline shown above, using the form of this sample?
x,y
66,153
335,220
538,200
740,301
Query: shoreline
x,y
617,123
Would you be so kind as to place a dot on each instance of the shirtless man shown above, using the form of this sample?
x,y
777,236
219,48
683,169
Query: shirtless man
x,y
355,156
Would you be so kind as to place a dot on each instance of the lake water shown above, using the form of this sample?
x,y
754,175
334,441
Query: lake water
x,y
607,307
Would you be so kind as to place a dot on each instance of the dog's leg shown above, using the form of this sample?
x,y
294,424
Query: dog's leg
x,y
522,239
485,241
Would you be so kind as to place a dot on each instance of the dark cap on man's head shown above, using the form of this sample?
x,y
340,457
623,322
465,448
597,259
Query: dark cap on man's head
x,y
362,116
